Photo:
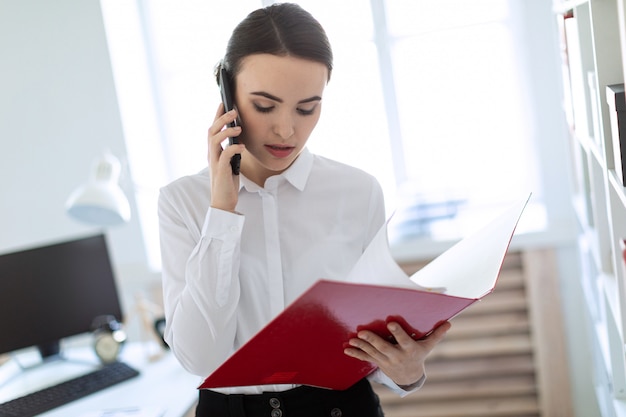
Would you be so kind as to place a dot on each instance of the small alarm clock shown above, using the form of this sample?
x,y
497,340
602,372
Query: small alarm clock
x,y
109,337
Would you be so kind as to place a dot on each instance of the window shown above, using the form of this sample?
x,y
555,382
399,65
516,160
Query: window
x,y
426,95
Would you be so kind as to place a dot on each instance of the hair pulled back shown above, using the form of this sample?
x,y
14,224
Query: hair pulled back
x,y
282,29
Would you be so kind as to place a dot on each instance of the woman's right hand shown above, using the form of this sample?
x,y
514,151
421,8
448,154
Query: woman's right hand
x,y
224,185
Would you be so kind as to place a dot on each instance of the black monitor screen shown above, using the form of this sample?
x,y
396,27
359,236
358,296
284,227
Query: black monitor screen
x,y
52,292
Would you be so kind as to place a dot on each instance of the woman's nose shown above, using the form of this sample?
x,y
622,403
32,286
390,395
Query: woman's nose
x,y
284,126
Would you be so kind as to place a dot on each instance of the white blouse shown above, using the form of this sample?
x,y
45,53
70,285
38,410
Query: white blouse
x,y
226,275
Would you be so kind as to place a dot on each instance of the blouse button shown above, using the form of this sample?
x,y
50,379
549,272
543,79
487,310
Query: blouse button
x,y
274,402
276,412
336,412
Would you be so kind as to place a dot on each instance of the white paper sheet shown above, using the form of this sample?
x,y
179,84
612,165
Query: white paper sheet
x,y
469,269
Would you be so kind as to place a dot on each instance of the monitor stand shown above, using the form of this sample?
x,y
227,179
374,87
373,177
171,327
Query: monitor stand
x,y
49,354
50,350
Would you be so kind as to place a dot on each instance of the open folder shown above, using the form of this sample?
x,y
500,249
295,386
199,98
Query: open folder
x,y
305,343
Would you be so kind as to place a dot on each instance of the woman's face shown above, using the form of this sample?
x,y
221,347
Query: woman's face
x,y
279,100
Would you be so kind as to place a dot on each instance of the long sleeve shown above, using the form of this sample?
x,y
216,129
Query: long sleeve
x,y
200,284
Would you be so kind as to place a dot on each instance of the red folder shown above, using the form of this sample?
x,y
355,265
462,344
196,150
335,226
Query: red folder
x,y
304,344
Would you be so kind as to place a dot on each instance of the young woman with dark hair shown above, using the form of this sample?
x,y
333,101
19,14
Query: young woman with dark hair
x,y
237,249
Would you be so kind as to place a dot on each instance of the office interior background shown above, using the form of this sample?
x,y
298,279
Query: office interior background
x,y
455,106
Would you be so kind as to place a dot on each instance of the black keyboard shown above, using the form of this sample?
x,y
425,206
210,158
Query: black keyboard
x,y
67,391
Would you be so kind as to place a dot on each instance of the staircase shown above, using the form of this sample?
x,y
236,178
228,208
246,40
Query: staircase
x,y
488,365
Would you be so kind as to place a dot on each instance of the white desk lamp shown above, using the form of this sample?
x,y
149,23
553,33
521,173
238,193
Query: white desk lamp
x,y
100,201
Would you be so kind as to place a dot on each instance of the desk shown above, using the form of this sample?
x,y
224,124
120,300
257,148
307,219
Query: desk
x,y
162,384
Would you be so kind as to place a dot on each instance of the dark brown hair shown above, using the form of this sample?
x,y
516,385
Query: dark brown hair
x,y
282,29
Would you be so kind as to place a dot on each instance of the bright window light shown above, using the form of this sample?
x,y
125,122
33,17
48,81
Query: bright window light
x,y
426,95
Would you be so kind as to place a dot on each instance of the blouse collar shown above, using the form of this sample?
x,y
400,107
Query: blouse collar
x,y
297,175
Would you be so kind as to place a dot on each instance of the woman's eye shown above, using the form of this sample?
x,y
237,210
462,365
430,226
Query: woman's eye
x,y
266,109
306,112
263,109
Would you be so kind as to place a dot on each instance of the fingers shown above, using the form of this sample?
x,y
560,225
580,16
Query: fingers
x,y
218,133
402,362
221,119
361,350
366,346
402,338
375,346
227,153
399,334
224,184
439,333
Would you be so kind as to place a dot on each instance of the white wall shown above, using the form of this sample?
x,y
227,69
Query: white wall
x,y
58,112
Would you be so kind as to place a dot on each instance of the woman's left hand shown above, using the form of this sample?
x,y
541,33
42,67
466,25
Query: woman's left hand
x,y
402,362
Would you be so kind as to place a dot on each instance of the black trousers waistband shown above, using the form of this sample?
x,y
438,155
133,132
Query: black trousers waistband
x,y
304,401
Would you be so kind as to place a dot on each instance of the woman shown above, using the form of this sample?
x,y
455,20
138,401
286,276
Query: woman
x,y
237,249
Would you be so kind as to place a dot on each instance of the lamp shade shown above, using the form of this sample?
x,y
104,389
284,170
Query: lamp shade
x,y
100,201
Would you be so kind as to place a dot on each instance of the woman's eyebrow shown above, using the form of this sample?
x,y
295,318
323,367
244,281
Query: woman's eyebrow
x,y
280,100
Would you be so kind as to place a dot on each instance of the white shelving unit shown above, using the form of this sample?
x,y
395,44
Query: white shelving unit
x,y
594,44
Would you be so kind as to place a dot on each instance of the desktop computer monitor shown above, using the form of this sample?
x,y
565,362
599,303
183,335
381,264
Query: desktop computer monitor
x,y
52,292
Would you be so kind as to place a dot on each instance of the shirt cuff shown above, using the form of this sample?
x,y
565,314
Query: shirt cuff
x,y
381,378
222,224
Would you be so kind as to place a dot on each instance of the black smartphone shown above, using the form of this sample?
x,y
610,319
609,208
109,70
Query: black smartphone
x,y
229,104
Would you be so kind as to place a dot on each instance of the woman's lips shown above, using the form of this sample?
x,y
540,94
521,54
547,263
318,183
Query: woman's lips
x,y
279,151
